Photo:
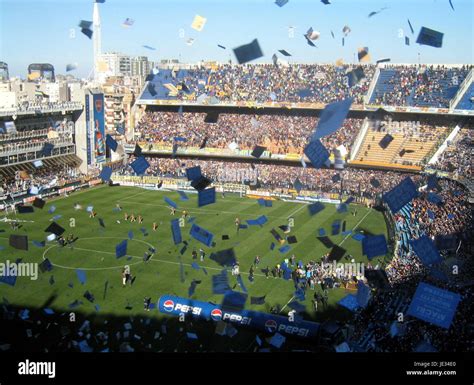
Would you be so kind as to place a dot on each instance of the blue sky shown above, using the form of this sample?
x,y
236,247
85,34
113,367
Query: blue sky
x,y
35,31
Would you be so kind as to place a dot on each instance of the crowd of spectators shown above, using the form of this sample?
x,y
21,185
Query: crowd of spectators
x,y
374,326
321,83
413,85
431,87
396,88
376,329
367,183
30,106
419,85
99,332
13,145
457,158
310,83
44,176
452,215
282,133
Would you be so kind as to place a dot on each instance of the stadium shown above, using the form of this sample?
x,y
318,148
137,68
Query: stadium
x,y
239,206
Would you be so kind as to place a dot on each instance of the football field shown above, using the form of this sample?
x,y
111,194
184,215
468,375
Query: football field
x,y
168,271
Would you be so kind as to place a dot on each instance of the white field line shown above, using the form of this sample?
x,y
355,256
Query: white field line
x,y
298,209
291,299
357,225
203,211
155,260
134,195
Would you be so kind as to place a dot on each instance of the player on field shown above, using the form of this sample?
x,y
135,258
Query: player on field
x,y
146,303
237,224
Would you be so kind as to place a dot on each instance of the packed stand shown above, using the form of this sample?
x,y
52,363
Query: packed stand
x,y
436,86
21,145
284,134
395,90
355,181
457,159
452,215
376,330
322,83
32,133
375,327
432,86
310,83
29,106
44,176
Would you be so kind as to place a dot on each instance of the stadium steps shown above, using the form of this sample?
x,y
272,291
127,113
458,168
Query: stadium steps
x,y
375,153
383,83
465,102
422,148
406,210
405,240
372,85
390,157
397,150
405,226
410,98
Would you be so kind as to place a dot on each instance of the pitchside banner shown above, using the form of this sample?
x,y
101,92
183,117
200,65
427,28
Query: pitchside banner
x,y
89,132
172,305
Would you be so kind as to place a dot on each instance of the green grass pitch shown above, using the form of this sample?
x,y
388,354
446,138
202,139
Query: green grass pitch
x,y
94,251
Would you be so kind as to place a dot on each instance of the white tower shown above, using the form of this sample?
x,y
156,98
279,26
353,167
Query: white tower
x,y
96,39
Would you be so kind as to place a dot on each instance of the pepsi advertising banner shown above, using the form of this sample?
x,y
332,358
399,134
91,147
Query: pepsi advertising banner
x,y
99,127
169,304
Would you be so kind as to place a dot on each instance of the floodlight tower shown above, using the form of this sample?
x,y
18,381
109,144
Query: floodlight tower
x,y
97,38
